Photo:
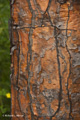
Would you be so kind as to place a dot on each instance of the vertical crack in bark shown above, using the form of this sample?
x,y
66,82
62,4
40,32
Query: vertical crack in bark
x,y
18,76
28,68
60,79
29,62
70,102
18,67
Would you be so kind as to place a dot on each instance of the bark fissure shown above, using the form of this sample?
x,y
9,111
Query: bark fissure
x,y
70,102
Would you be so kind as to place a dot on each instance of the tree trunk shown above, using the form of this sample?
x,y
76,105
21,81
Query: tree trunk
x,y
45,59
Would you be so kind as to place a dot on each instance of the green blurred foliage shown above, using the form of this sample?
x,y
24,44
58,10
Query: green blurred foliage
x,y
4,59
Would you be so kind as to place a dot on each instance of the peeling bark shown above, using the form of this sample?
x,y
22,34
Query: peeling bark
x,y
45,59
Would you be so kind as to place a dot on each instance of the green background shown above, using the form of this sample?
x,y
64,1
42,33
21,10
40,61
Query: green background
x,y
4,59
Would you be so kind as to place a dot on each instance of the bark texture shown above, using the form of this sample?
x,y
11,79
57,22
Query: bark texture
x,y
45,59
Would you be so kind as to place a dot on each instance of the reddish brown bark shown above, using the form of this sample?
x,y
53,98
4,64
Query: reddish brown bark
x,y
45,59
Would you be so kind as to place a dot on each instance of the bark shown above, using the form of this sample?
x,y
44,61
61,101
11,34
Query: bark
x,y
45,59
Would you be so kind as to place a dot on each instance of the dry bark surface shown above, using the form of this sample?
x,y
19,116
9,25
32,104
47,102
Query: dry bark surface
x,y
45,59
